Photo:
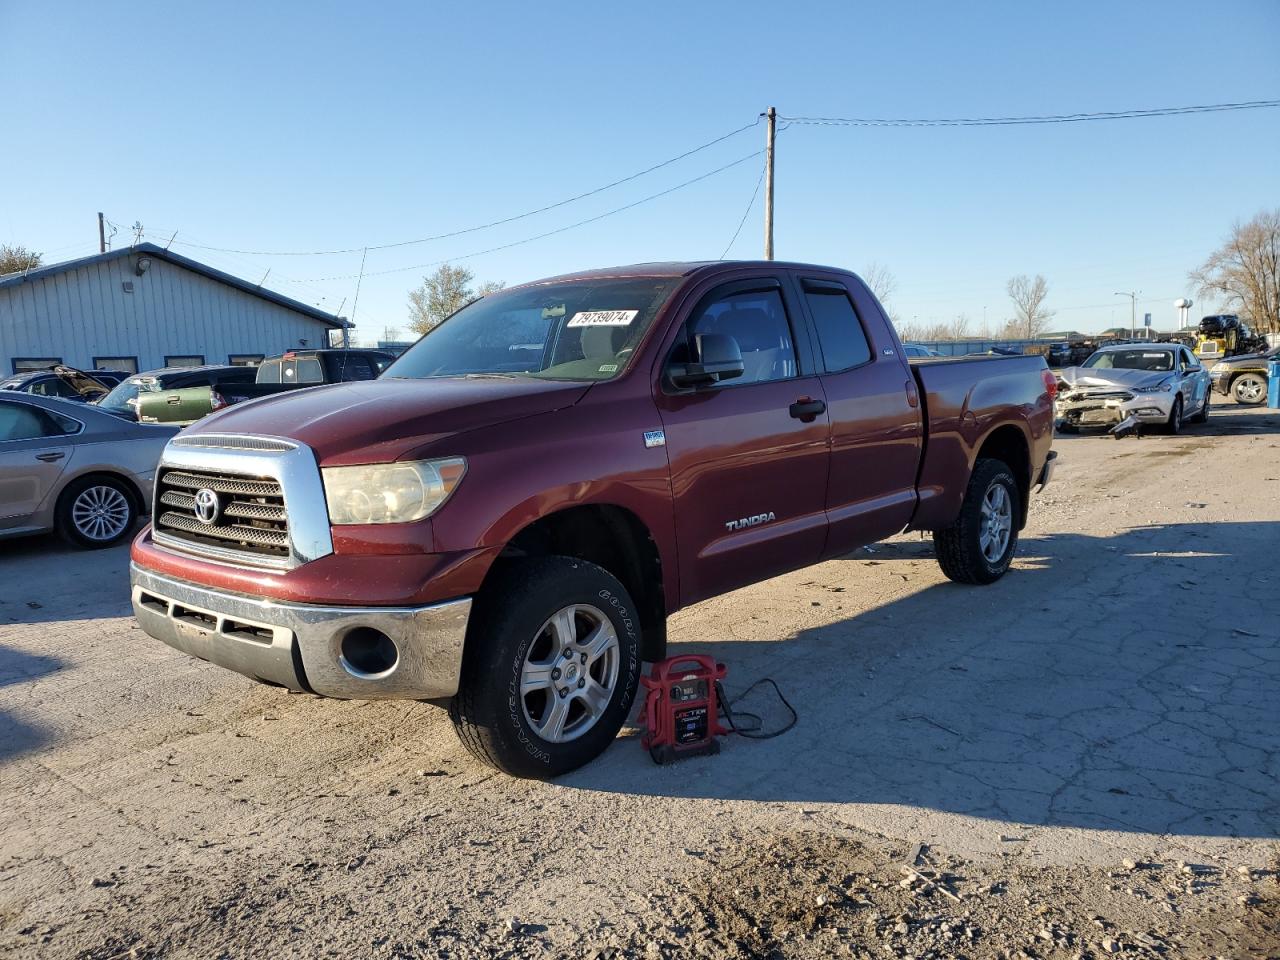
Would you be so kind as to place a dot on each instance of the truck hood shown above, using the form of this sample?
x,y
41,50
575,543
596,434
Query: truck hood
x,y
379,421
1091,377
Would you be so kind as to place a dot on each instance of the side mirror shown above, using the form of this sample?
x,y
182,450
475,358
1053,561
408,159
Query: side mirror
x,y
719,358
1194,368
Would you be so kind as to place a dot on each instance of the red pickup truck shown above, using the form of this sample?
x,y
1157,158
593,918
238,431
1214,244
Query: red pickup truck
x,y
504,520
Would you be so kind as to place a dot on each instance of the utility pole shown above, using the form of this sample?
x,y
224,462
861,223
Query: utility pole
x,y
772,116
102,235
1133,312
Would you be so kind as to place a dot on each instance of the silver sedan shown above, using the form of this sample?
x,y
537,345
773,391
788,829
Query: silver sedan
x,y
73,468
1160,384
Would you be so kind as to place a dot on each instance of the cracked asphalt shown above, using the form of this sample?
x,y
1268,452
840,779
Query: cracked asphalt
x,y
1116,696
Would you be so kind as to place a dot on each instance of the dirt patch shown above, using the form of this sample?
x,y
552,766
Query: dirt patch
x,y
815,895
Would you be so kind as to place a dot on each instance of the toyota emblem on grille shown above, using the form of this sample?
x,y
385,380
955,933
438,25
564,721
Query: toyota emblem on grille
x,y
207,505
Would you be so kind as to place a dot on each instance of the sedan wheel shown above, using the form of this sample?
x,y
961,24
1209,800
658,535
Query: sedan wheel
x,y
96,512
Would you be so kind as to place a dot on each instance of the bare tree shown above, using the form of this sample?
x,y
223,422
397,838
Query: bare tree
x,y
15,259
882,283
958,328
1244,273
1028,298
442,293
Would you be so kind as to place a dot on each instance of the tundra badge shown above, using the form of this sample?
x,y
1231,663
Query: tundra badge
x,y
745,522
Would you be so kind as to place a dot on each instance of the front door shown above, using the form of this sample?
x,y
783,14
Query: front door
x,y
749,455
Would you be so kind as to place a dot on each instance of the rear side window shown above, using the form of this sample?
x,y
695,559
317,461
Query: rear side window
x,y
21,422
309,370
844,344
269,372
356,368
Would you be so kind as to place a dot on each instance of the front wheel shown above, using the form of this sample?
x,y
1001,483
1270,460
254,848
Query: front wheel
x,y
96,512
979,546
1249,389
551,667
1173,426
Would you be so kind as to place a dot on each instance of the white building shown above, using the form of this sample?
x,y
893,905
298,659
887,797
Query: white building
x,y
143,307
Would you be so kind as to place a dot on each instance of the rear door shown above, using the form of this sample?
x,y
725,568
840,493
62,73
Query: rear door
x,y
876,423
748,456
34,450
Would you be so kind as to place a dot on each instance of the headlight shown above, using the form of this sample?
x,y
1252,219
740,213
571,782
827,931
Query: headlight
x,y
1220,367
390,492
1158,388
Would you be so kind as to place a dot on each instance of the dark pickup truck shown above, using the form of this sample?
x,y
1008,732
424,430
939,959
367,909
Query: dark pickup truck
x,y
289,371
503,522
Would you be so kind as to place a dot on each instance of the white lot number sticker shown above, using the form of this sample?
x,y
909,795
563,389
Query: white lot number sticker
x,y
603,318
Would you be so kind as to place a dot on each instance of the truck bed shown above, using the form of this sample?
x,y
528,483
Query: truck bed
x,y
962,398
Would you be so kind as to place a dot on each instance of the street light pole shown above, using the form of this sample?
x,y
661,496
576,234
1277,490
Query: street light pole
x,y
1133,312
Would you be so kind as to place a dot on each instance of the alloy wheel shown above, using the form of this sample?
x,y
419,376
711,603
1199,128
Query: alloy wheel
x,y
997,523
100,513
570,673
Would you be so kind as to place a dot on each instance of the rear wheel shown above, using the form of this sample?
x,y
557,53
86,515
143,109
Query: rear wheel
x,y
551,668
96,512
1249,388
979,546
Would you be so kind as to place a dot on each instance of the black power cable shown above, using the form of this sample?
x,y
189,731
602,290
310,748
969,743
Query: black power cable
x,y
753,733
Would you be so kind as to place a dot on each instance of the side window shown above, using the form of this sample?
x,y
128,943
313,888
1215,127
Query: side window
x,y
309,370
357,368
840,335
757,320
53,387
21,422
269,372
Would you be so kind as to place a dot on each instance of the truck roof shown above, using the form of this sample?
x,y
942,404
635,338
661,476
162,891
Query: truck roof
x,y
672,268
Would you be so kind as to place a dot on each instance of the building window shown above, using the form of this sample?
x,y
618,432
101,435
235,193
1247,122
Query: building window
x,y
185,360
121,364
245,359
27,364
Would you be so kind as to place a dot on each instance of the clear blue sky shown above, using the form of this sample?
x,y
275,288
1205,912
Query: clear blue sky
x,y
303,126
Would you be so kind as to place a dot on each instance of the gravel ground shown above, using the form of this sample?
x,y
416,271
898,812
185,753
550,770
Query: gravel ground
x,y
1081,760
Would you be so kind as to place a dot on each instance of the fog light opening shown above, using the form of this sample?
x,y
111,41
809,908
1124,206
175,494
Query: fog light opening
x,y
368,653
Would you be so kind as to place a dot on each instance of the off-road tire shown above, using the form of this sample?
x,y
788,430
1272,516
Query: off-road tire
x,y
1239,382
1173,426
1203,415
958,548
487,712
65,524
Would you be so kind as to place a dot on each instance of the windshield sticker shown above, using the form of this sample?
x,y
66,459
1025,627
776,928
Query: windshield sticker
x,y
608,368
603,318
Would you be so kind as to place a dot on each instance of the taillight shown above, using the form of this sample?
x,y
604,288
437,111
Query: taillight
x,y
1050,382
216,400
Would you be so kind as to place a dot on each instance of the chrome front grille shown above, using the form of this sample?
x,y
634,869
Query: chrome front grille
x,y
248,514
268,497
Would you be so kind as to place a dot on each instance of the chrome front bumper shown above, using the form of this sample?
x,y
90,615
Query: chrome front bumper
x,y
299,646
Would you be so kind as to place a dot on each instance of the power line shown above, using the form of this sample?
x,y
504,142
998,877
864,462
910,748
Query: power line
x,y
482,226
549,233
745,213
1048,118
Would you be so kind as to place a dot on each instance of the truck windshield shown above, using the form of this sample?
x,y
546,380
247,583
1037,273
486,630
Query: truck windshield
x,y
575,330
1131,360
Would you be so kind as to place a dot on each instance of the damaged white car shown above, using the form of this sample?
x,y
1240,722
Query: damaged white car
x,y
1127,385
